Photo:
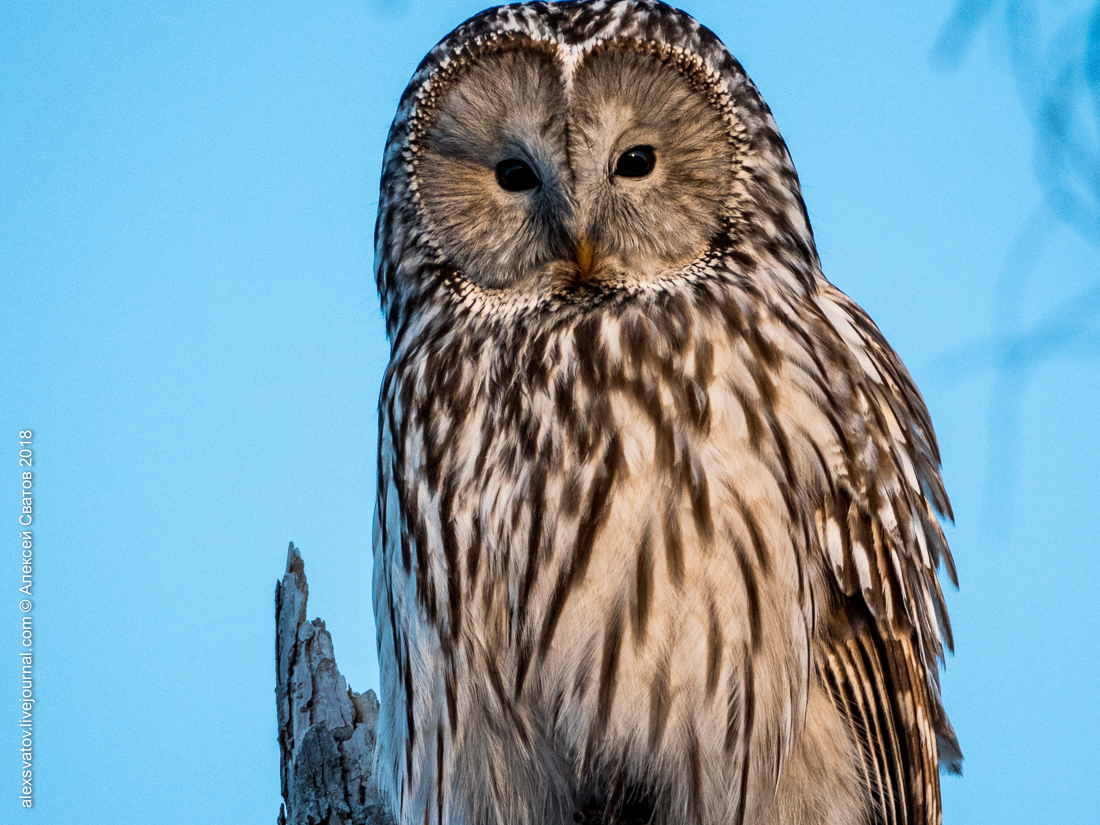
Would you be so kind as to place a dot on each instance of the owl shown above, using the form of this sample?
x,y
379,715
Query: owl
x,y
657,536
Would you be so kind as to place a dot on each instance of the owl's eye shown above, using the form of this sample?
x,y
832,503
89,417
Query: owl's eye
x,y
636,162
516,176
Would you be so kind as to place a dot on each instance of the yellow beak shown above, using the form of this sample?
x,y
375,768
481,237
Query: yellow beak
x,y
584,249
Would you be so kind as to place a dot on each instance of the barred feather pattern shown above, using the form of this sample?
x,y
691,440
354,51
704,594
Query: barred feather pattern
x,y
656,551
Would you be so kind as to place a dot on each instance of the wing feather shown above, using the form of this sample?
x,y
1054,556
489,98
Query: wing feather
x,y
879,534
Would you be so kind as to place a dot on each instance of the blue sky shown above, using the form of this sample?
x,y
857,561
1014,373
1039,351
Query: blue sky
x,y
188,322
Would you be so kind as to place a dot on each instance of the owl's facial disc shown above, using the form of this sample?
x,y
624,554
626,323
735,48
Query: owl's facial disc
x,y
489,165
653,157
530,178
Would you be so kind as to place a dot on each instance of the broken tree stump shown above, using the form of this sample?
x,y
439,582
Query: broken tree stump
x,y
326,730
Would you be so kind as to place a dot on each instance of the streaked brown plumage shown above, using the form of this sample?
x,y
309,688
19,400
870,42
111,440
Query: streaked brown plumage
x,y
656,537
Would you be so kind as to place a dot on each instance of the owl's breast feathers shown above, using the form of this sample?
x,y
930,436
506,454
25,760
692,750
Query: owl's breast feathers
x,y
646,535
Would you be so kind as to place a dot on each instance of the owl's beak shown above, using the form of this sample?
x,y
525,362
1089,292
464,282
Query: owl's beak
x,y
585,253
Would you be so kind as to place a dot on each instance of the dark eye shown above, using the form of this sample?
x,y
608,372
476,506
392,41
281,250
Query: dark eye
x,y
516,176
636,163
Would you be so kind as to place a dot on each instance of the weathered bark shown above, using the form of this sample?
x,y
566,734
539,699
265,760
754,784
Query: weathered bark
x,y
326,731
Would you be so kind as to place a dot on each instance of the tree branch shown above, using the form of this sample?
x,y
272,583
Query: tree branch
x,y
326,730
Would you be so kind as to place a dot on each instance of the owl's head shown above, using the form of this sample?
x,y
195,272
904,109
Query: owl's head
x,y
543,150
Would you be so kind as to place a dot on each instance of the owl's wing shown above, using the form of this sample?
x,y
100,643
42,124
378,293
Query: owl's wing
x,y
878,529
